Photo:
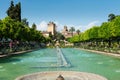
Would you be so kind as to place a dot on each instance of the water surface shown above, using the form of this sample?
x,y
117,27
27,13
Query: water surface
x,y
44,59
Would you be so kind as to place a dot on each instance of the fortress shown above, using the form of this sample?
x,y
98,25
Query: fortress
x,y
51,29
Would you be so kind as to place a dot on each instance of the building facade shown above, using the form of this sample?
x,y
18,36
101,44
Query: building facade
x,y
51,28
66,33
45,33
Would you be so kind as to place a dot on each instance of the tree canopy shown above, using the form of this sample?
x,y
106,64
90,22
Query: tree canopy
x,y
72,29
9,28
107,31
14,11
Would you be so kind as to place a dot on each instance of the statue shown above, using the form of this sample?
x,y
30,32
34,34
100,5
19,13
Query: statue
x,y
60,77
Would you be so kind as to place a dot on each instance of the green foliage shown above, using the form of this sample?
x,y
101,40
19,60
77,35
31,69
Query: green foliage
x,y
1,28
16,30
72,29
14,11
12,27
59,36
34,26
104,31
25,22
86,35
93,33
107,32
78,31
74,39
115,27
111,17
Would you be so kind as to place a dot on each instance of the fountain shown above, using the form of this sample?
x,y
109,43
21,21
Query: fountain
x,y
62,60
58,75
46,59
68,75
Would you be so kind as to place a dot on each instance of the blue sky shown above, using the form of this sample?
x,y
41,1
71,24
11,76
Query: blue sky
x,y
81,14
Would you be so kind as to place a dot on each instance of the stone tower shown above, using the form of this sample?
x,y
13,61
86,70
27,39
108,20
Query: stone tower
x,y
65,29
51,28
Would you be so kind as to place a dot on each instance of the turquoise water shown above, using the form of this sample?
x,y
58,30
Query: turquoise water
x,y
44,59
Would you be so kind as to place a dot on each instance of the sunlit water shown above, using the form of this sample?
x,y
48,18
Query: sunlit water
x,y
45,59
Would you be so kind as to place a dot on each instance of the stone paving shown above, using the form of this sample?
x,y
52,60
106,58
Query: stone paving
x,y
68,75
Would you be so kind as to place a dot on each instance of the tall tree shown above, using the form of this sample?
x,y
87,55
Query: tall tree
x,y
14,11
18,11
111,17
59,36
78,31
25,22
1,25
10,10
72,29
34,27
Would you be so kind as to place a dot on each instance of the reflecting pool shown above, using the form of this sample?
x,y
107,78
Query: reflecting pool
x,y
47,59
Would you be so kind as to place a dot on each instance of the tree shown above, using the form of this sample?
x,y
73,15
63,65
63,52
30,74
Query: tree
x,y
78,31
74,39
14,12
18,12
50,35
11,27
59,36
111,17
10,10
115,27
104,31
25,22
34,27
94,32
1,25
72,29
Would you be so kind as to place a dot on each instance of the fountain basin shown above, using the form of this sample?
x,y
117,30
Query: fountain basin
x,y
68,75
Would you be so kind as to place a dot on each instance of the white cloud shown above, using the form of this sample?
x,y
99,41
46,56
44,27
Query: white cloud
x,y
59,26
82,28
85,27
42,26
91,24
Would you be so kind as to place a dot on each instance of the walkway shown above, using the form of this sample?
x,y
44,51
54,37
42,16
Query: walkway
x,y
20,52
68,75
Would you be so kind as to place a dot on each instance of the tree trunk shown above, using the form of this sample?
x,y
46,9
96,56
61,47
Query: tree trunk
x,y
109,43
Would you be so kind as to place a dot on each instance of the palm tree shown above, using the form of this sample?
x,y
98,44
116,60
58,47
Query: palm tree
x,y
72,29
78,31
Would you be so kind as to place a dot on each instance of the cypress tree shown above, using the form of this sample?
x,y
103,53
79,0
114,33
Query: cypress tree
x,y
18,11
34,27
10,10
14,12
